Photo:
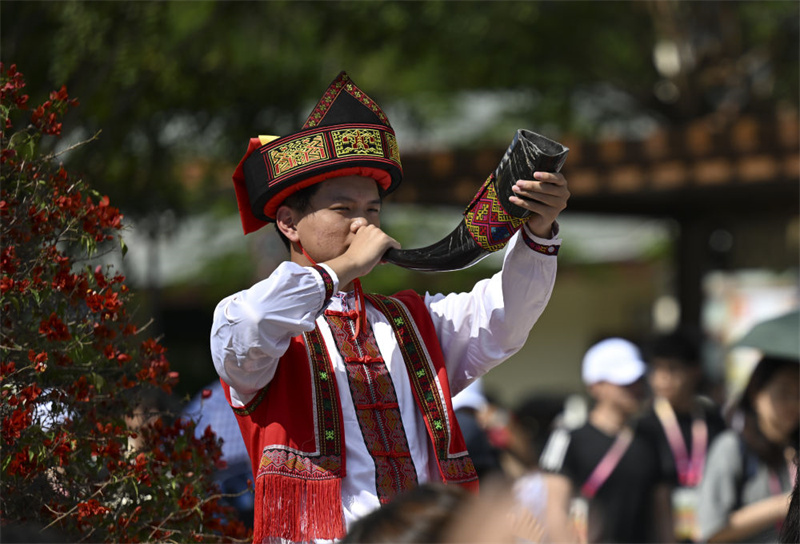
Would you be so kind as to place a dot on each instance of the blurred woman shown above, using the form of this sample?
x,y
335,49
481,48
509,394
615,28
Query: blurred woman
x,y
744,494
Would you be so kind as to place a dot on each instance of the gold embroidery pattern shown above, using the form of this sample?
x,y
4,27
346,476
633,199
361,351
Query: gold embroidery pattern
x,y
326,101
298,153
342,83
362,97
357,141
394,149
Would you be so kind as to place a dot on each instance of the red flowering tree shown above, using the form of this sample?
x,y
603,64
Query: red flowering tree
x,y
87,449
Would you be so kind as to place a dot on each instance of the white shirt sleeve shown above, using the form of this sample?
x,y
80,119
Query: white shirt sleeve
x,y
482,328
252,329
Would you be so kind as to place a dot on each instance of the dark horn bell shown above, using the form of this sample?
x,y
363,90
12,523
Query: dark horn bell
x,y
490,220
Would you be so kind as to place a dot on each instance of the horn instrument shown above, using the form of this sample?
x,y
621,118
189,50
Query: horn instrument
x,y
490,218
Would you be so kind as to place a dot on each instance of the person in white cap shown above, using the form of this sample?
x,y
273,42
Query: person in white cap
x,y
602,478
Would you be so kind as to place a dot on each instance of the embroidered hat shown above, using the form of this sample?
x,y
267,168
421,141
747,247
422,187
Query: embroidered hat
x,y
346,134
613,360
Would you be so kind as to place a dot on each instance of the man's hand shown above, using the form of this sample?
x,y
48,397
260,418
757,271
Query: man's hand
x,y
366,250
546,195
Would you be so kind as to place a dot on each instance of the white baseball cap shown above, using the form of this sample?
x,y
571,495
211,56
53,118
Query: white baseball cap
x,y
471,397
614,360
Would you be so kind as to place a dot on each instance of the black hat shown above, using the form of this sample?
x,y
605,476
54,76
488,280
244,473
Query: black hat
x,y
346,134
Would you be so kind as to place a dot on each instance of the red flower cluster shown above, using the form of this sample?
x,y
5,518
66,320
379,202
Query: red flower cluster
x,y
75,375
46,117
91,508
11,90
54,329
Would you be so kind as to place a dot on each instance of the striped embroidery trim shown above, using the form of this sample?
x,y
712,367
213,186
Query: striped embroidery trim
x,y
537,247
326,395
327,280
248,408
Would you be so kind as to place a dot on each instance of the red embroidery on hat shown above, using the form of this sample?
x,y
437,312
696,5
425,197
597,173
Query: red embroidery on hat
x,y
297,153
357,141
343,82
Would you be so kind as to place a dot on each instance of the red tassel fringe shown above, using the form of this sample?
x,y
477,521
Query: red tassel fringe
x,y
298,510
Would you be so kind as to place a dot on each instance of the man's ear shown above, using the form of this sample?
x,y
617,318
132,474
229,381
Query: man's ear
x,y
284,219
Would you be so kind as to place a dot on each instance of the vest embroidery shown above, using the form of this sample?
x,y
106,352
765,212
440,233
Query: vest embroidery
x,y
458,468
376,405
327,462
377,409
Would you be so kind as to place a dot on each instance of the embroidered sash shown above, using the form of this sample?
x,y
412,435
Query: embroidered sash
x,y
375,402
432,399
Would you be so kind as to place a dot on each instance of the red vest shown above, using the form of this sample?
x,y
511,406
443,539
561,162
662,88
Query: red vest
x,y
294,433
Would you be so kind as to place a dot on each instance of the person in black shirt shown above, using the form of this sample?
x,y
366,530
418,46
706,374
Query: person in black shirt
x,y
603,479
679,423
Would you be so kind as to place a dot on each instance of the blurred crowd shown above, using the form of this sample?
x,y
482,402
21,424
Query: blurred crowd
x,y
648,454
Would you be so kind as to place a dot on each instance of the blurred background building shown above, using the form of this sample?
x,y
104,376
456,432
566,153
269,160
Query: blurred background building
x,y
681,117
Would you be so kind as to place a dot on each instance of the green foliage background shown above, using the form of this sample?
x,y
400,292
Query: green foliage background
x,y
170,82
177,88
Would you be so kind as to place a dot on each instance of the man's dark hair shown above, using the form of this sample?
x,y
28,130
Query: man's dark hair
x,y
683,344
422,515
299,201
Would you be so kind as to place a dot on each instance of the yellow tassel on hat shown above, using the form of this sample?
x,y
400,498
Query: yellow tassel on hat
x,y
266,139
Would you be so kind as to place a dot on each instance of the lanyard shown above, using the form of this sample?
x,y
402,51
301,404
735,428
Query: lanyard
x,y
775,481
690,471
775,485
608,463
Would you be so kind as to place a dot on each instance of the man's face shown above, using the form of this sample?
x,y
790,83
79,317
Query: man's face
x,y
326,228
628,399
672,378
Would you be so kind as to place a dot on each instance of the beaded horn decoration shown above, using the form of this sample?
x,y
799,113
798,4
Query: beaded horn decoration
x,y
490,218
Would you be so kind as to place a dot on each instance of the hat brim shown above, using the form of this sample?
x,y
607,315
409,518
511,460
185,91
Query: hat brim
x,y
251,223
383,179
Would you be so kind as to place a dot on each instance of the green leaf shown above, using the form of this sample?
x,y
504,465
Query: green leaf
x,y
6,461
25,144
123,246
99,382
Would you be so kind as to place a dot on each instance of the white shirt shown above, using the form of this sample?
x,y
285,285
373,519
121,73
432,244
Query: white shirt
x,y
477,331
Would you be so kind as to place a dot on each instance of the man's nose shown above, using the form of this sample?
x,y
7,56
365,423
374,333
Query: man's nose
x,y
358,222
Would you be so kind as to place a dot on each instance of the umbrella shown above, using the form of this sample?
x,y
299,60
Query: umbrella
x,y
777,337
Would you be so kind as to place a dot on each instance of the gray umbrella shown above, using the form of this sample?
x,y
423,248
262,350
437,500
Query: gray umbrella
x,y
777,337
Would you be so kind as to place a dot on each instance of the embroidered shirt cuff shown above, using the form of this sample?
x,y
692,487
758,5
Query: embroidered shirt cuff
x,y
542,245
328,281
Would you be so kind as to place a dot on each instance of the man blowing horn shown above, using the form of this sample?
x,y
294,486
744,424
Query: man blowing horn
x,y
344,398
